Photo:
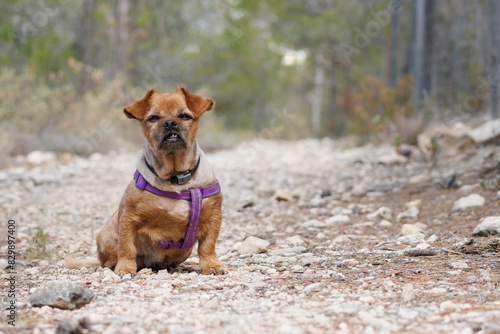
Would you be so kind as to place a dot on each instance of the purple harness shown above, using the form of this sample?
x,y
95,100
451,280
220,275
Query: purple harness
x,y
193,196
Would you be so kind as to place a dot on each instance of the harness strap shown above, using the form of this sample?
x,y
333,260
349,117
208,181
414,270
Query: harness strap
x,y
194,196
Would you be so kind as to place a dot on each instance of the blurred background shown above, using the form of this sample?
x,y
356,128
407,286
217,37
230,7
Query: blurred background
x,y
276,69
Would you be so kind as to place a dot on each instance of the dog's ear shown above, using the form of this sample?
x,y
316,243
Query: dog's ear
x,y
139,109
197,104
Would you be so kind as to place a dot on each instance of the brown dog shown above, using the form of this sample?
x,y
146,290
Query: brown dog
x,y
172,163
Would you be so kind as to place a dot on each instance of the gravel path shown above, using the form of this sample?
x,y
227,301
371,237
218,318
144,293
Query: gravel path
x,y
306,248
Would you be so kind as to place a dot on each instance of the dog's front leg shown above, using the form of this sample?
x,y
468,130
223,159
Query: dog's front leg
x,y
209,263
127,248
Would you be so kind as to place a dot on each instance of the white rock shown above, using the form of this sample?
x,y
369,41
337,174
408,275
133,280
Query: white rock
x,y
341,239
295,240
314,223
283,195
385,223
253,245
468,188
471,201
392,159
489,226
448,305
459,265
417,203
108,273
338,220
432,239
486,132
367,299
413,229
411,213
407,292
381,214
37,158
315,287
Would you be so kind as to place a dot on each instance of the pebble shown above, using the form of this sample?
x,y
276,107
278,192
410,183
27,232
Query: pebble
x,y
314,224
63,294
253,245
315,287
489,226
295,240
283,195
459,265
407,292
338,220
411,213
471,201
383,213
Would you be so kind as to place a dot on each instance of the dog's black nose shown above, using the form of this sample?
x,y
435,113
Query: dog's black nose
x,y
170,125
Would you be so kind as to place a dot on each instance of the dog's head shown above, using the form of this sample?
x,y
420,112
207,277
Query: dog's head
x,y
169,121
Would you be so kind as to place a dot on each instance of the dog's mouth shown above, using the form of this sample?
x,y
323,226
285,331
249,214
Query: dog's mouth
x,y
172,137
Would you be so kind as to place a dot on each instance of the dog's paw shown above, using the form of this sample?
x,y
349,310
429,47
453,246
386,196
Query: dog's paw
x,y
214,268
124,269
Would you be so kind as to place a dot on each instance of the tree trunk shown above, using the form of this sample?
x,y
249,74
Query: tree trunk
x,y
394,46
317,98
424,19
88,40
121,55
494,61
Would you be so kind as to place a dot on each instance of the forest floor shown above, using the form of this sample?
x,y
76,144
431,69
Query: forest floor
x,y
326,268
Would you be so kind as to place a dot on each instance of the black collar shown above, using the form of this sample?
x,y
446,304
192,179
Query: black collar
x,y
180,178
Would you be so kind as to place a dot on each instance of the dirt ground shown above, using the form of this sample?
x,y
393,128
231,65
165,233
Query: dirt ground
x,y
316,275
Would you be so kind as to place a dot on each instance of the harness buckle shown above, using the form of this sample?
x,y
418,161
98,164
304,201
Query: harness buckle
x,y
183,177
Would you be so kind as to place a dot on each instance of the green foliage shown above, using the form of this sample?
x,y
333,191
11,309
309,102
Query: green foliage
x,y
40,249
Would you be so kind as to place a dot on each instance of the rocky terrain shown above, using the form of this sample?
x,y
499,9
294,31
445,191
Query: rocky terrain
x,y
318,238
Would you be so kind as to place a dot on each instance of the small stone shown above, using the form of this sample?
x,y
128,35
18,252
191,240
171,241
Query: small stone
x,y
448,305
297,269
315,287
413,229
338,220
381,214
417,203
253,245
392,159
489,226
367,299
341,239
432,239
468,188
459,265
385,223
38,158
314,224
408,292
320,235
471,201
295,240
283,195
145,272
411,213
110,275
61,294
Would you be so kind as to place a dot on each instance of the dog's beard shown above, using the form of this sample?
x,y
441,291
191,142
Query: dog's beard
x,y
171,141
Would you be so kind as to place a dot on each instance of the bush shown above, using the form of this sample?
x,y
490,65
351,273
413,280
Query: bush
x,y
380,110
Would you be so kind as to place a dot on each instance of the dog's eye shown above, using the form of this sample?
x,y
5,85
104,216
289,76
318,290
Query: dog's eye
x,y
153,119
184,117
